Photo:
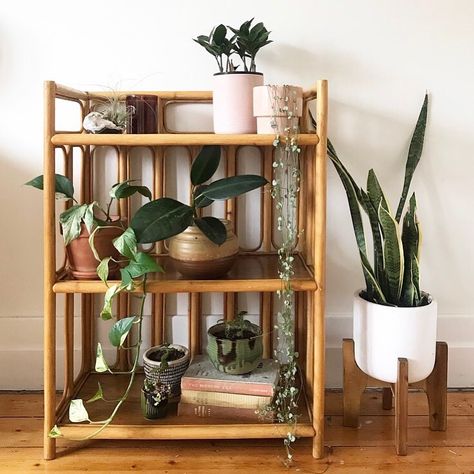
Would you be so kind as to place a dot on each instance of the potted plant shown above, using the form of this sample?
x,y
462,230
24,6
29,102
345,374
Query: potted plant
x,y
235,346
277,107
232,91
393,316
166,364
109,115
201,247
154,399
83,222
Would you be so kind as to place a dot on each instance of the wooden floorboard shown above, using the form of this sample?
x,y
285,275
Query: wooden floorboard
x,y
366,449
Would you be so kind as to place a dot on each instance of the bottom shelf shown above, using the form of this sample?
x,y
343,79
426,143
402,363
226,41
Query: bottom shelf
x,y
129,422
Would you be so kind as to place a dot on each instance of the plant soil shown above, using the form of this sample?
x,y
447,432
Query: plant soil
x,y
173,354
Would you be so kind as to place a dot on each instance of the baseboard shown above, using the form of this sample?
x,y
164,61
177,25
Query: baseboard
x,y
21,357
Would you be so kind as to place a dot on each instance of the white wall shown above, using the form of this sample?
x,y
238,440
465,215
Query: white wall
x,y
379,57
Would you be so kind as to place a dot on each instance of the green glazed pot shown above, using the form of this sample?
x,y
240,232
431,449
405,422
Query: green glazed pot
x,y
149,409
239,356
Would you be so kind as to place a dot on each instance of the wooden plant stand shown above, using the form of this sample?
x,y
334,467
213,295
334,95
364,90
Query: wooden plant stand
x,y
435,386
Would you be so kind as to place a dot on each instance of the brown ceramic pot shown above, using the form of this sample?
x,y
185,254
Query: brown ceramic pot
x,y
82,263
195,256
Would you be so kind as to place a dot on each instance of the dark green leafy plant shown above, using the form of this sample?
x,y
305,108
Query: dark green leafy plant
x,y
246,43
393,279
136,266
166,217
87,214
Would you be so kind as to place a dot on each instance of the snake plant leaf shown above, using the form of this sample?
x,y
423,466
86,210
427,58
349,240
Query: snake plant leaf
x,y
415,270
212,228
77,411
375,290
414,155
126,243
161,219
408,290
199,199
393,255
100,362
206,163
63,186
375,192
120,330
142,264
71,220
227,188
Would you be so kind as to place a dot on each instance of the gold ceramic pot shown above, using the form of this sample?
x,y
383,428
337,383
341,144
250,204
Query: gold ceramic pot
x,y
195,256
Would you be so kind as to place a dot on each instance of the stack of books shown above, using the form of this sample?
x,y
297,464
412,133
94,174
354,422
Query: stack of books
x,y
207,392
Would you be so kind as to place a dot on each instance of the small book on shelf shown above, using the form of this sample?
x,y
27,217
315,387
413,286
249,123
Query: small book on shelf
x,y
223,413
224,399
202,376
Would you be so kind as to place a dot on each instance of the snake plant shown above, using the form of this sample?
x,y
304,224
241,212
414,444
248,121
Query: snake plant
x,y
393,277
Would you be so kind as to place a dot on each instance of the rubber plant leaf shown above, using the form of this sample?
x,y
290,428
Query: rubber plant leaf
x,y
161,219
200,200
228,188
63,186
119,331
414,155
125,189
212,228
206,163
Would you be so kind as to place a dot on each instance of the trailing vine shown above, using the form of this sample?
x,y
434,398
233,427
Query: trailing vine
x,y
285,190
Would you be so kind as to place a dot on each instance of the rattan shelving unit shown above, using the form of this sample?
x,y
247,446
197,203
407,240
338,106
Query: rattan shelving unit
x,y
255,271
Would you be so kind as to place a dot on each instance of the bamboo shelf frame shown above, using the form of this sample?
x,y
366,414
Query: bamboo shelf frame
x,y
256,269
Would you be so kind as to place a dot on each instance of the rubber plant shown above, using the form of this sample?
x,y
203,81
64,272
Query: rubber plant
x,y
136,267
165,217
393,278
285,190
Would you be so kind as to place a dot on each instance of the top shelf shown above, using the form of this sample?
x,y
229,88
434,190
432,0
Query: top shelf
x,y
173,139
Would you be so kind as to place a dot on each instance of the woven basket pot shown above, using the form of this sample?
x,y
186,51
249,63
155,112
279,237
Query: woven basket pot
x,y
239,356
170,376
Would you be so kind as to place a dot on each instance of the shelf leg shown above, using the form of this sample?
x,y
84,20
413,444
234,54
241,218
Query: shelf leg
x,y
195,323
401,407
266,323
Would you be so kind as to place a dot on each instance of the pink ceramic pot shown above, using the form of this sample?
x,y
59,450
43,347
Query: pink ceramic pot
x,y
233,101
269,103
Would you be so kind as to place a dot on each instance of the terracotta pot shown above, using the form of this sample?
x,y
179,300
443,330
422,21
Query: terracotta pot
x,y
382,334
269,104
239,356
82,263
197,257
233,101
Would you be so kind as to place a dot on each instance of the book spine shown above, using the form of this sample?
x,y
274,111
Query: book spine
x,y
213,411
207,385
224,399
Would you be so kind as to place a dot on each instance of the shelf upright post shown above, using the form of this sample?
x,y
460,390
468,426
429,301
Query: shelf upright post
x,y
319,261
49,330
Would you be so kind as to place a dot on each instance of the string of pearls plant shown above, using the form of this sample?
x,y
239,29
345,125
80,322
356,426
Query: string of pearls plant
x,y
285,190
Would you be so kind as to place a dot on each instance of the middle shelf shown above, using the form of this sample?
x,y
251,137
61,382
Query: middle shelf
x,y
251,272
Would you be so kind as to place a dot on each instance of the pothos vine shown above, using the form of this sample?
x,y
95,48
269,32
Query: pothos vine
x,y
285,190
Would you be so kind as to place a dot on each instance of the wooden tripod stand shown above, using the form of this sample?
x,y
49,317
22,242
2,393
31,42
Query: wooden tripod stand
x,y
435,386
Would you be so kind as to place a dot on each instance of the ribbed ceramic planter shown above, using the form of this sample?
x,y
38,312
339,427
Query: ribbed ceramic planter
x,y
170,376
271,104
382,334
149,409
195,256
233,101
239,356
82,263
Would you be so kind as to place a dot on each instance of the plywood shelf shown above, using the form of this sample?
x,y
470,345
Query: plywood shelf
x,y
251,272
172,139
129,422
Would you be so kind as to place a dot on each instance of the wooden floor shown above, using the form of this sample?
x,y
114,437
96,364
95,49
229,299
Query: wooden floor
x,y
363,450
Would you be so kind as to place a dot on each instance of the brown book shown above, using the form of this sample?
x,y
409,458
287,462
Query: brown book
x,y
226,413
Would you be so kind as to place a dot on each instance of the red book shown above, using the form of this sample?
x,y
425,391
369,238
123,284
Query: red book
x,y
223,413
201,375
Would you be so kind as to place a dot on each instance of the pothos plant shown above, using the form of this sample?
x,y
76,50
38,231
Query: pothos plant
x,y
136,267
285,190
91,214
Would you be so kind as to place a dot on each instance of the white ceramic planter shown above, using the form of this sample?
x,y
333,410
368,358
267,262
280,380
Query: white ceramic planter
x,y
233,102
269,107
382,334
